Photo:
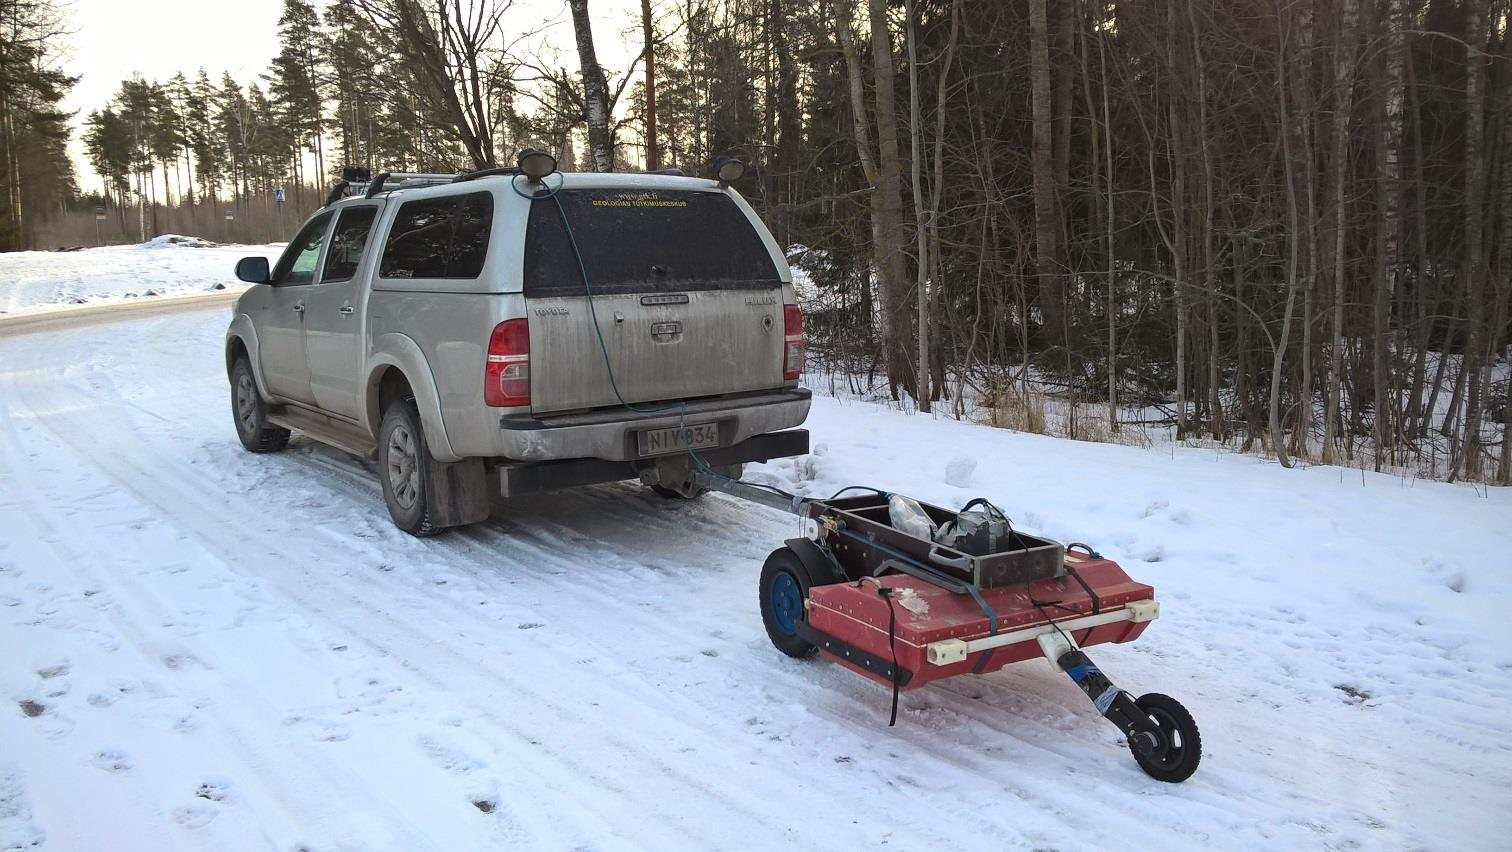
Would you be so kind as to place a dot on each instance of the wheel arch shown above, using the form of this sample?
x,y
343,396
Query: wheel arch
x,y
241,341
399,366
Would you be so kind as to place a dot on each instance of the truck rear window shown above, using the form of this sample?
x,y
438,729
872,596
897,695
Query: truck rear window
x,y
644,241
439,237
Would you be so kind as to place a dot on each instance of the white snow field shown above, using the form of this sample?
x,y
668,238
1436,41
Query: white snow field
x,y
166,265
206,649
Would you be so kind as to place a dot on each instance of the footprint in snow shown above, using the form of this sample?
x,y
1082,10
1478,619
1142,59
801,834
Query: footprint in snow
x,y
54,725
111,760
214,789
195,815
1353,694
177,662
449,756
49,672
323,730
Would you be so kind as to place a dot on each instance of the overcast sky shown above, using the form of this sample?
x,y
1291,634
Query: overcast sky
x,y
158,38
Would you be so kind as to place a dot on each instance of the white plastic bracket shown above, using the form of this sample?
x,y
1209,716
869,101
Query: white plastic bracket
x,y
1142,611
945,652
1054,646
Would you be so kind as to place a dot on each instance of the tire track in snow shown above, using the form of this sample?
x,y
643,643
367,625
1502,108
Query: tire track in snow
x,y
800,699
130,475
235,722
80,424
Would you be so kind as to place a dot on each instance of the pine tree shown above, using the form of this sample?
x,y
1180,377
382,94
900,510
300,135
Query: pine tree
x,y
296,81
204,139
36,175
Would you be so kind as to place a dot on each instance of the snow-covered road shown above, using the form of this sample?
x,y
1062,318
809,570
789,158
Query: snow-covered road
x,y
206,649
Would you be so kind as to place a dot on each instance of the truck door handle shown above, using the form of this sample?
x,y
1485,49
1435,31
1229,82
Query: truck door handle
x,y
346,309
299,308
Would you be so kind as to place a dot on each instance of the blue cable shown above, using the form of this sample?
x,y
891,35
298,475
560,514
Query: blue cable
x,y
679,406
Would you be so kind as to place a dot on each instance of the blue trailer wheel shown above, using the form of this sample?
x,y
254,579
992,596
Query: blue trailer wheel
x,y
786,602
784,587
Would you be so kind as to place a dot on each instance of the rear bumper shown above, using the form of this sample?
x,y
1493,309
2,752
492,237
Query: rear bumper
x,y
610,434
518,478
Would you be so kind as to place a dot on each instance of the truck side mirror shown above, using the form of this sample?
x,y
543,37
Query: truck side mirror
x,y
253,270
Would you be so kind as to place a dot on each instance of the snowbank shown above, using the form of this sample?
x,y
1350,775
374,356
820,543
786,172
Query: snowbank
x,y
160,266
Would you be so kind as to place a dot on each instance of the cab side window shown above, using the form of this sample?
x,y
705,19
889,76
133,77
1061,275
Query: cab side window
x,y
297,265
443,237
348,242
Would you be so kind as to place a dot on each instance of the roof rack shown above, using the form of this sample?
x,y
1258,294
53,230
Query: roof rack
x,y
481,173
404,180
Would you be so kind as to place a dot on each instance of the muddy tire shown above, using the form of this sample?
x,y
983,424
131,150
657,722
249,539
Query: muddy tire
x,y
250,413
404,462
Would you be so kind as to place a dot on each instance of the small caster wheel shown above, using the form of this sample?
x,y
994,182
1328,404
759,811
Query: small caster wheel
x,y
1179,751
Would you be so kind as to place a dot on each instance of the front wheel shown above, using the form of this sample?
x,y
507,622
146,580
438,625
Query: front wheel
x,y
250,413
404,467
785,585
1183,744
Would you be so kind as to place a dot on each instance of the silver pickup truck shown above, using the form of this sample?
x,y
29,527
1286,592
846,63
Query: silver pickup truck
x,y
443,326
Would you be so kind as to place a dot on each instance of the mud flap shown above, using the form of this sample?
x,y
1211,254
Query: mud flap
x,y
823,569
461,492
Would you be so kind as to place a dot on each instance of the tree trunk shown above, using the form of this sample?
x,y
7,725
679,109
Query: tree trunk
x,y
1209,258
1278,349
887,212
937,190
1178,240
595,90
653,153
859,123
1046,222
921,215
1475,182
1388,223
1343,95
1111,308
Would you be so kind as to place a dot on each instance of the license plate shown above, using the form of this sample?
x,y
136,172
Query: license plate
x,y
655,442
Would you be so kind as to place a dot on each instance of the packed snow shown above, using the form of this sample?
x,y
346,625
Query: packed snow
x,y
207,649
166,265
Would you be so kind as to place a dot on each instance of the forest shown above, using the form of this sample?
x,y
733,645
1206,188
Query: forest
x,y
1280,226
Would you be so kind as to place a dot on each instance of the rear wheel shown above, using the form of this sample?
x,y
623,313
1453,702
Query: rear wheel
x,y
404,467
251,414
785,585
1183,743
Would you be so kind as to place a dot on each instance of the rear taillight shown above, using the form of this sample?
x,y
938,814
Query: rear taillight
x,y
506,378
792,342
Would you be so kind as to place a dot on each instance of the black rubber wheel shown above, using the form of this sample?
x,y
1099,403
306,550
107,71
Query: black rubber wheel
x,y
1183,742
250,413
404,462
785,585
